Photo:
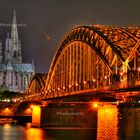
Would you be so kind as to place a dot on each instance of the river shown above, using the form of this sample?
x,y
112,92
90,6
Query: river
x,y
112,124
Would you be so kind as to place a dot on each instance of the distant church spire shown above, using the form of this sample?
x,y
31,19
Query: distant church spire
x,y
14,30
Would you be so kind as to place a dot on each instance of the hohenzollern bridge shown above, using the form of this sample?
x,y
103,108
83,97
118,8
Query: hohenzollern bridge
x,y
92,60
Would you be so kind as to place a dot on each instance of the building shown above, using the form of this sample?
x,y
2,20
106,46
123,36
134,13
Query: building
x,y
14,74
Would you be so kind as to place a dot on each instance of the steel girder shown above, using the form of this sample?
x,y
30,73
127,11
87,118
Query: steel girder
x,y
122,41
38,79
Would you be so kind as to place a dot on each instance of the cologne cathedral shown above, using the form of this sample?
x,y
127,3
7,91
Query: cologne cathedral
x,y
14,74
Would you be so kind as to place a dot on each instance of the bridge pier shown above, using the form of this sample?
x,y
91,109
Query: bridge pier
x,y
36,116
69,114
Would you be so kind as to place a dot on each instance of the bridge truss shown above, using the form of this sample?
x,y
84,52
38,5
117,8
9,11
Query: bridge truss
x,y
94,57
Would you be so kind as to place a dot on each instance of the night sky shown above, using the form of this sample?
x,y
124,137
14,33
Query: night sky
x,y
47,21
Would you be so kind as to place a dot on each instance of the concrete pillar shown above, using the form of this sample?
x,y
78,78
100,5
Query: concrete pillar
x,y
36,116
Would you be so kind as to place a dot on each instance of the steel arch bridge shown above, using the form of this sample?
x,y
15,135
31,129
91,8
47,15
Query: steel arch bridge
x,y
94,57
36,86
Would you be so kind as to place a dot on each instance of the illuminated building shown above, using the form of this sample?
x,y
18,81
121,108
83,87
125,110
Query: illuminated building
x,y
14,74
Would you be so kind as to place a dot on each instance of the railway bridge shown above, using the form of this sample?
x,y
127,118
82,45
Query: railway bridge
x,y
92,59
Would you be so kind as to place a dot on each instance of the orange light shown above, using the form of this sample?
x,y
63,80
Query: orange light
x,y
121,73
6,109
28,111
94,105
36,114
76,84
7,125
85,82
34,133
28,125
105,77
31,106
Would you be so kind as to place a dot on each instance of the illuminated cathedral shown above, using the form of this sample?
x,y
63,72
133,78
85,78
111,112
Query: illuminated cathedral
x,y
14,74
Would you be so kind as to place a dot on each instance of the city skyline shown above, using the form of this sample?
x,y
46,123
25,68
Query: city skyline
x,y
47,22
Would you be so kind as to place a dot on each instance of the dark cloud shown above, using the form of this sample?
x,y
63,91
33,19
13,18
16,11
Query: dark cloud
x,y
49,20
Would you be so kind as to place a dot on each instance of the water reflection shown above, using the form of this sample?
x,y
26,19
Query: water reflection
x,y
34,134
113,123
9,132
129,123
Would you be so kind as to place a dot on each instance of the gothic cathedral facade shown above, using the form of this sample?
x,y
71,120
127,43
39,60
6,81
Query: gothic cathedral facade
x,y
14,74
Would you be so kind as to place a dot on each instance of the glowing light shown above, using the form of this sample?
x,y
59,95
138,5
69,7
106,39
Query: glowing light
x,y
76,84
94,80
7,125
94,105
31,106
121,73
34,133
28,125
105,77
139,69
69,86
28,111
63,87
85,82
7,111
58,89
36,114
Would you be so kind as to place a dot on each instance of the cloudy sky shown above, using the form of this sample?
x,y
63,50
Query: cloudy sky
x,y
47,21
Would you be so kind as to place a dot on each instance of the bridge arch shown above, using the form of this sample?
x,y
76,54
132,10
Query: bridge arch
x,y
37,85
109,47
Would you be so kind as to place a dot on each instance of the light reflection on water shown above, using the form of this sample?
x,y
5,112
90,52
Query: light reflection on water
x,y
34,134
112,124
10,132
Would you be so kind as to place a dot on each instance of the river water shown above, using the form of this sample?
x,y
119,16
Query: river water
x,y
112,124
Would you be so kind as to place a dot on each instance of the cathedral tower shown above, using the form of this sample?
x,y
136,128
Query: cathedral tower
x,y
13,44
14,74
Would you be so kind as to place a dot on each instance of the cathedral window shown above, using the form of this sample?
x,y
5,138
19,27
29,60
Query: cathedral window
x,y
15,54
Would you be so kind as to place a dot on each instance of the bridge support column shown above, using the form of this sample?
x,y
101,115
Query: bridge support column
x,y
36,116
